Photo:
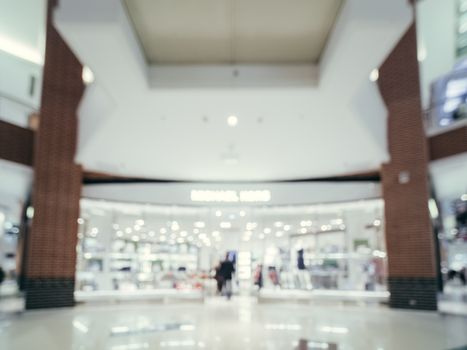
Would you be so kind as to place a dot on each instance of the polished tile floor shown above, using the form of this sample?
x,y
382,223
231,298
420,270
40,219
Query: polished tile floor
x,y
238,324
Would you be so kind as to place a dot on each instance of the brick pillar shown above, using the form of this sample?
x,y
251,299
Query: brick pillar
x,y
409,235
49,271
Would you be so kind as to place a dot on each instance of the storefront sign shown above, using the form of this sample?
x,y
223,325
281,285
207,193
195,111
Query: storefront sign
x,y
230,196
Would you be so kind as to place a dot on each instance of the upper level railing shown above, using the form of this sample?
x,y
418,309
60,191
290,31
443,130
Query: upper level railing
x,y
448,101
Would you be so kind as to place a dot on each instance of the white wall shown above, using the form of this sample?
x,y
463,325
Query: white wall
x,y
22,45
436,26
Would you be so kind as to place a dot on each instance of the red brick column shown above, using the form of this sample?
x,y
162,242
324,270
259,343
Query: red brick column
x,y
409,235
49,270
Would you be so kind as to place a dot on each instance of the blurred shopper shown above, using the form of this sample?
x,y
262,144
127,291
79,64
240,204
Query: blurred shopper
x,y
227,269
274,276
218,277
258,278
2,276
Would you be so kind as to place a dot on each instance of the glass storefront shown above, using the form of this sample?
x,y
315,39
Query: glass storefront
x,y
131,248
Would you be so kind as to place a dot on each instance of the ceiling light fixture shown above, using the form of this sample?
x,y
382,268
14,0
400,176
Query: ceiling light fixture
x,y
232,121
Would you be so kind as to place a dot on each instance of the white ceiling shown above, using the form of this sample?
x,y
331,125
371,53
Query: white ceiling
x,y
233,31
287,130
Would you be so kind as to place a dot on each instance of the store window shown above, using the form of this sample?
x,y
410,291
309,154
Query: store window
x,y
129,248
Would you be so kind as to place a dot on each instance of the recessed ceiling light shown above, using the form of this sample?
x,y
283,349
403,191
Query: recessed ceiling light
x,y
163,230
242,213
267,230
232,121
218,213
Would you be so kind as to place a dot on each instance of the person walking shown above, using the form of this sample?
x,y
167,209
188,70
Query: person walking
x,y
218,277
226,271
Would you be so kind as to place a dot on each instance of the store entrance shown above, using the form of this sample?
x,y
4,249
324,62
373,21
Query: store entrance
x,y
132,251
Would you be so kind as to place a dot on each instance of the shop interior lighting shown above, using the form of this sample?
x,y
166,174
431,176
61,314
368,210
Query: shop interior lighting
x,y
278,224
287,227
464,197
200,224
225,224
267,230
139,222
80,221
218,213
242,213
163,231
335,330
251,226
128,230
